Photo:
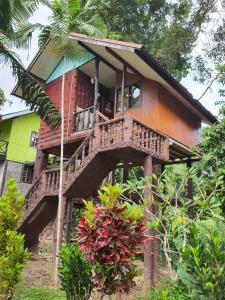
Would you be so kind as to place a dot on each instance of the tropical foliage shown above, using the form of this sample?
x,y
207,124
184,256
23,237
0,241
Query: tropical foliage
x,y
110,235
189,232
75,273
12,252
71,16
15,31
168,30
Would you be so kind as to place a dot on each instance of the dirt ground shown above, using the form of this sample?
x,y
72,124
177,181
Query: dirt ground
x,y
37,273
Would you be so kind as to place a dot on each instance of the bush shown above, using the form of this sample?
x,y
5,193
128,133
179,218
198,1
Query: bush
x,y
110,235
202,272
12,252
75,273
169,290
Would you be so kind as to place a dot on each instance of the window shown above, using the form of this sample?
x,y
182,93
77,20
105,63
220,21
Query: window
x,y
132,97
27,174
34,139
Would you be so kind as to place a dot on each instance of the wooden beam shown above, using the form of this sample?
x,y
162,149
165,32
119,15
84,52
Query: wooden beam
x,y
120,59
97,55
97,61
182,161
123,91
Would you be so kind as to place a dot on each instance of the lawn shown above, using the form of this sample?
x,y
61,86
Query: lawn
x,y
28,293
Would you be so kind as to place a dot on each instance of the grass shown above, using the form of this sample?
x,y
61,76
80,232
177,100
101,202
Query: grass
x,y
28,293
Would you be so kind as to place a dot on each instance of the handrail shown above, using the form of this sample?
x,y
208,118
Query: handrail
x,y
79,148
83,109
155,130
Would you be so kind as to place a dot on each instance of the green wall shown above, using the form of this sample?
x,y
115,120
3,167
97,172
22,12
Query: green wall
x,y
71,63
5,129
19,149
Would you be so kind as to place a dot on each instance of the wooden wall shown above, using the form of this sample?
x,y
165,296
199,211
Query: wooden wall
x,y
78,92
161,111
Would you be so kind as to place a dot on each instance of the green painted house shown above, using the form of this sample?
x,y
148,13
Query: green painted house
x,y
18,141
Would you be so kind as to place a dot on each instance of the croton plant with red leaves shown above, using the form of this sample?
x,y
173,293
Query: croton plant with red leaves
x,y
111,234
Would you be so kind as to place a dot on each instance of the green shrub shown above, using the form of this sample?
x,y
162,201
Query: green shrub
x,y
75,273
12,252
202,271
168,291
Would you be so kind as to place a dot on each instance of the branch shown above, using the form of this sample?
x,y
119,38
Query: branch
x,y
209,86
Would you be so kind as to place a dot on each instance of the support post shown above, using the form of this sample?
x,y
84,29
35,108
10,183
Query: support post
x,y
69,215
2,184
41,163
151,249
58,237
148,247
189,183
125,171
97,61
123,90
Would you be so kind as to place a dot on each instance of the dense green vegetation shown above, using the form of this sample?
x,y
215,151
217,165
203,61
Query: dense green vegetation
x,y
12,252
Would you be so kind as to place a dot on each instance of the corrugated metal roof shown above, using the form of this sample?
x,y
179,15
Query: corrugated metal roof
x,y
14,114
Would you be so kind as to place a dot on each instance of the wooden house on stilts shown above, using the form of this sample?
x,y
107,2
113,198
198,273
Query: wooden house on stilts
x,y
120,107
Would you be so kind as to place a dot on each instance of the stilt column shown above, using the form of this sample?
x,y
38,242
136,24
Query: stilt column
x,y
41,163
148,247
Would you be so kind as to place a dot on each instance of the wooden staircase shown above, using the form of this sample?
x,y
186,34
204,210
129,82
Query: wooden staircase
x,y
109,142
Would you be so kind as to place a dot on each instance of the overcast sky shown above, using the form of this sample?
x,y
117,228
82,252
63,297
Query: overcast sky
x,y
7,82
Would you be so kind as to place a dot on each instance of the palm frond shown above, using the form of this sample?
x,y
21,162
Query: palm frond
x,y
32,93
5,16
73,7
2,97
21,37
43,37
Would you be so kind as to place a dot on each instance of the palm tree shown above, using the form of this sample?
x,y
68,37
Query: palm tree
x,y
68,16
15,31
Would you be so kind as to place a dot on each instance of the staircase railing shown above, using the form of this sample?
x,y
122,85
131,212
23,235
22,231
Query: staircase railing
x,y
78,159
104,135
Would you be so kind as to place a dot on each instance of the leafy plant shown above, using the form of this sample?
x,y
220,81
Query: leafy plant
x,y
12,252
202,271
110,235
75,273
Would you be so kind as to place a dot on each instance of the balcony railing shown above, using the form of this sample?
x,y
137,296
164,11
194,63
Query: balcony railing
x,y
3,149
84,119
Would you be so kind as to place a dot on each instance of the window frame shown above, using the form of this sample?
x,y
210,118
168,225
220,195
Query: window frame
x,y
36,139
27,174
128,86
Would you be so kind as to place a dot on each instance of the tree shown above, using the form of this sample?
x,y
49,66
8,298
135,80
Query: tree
x,y
12,252
68,16
15,31
167,29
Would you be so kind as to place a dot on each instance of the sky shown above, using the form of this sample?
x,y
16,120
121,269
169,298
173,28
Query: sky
x,y
7,82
